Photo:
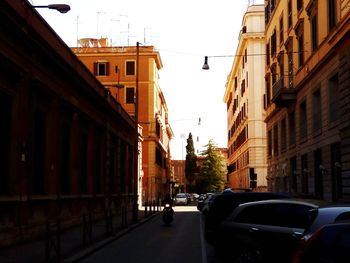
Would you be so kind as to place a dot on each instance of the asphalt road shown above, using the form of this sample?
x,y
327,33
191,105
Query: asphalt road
x,y
153,242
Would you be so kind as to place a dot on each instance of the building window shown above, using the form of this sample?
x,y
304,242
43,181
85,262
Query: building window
x,y
318,173
83,154
281,68
336,172
269,143
65,151
291,128
294,174
158,129
317,113
101,68
290,14
273,44
312,13
314,41
242,88
130,95
268,90
304,174
130,68
273,5
333,94
158,157
5,124
267,13
331,14
268,54
302,121
275,140
283,135
39,152
98,161
281,30
299,5
122,161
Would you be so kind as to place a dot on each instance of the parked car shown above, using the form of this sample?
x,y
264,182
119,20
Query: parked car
x,y
264,231
208,202
330,243
189,198
201,200
194,196
181,199
324,215
224,204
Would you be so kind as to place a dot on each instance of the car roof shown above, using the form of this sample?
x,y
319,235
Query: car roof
x,y
253,196
283,201
269,201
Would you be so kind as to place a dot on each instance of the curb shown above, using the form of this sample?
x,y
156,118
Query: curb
x,y
99,245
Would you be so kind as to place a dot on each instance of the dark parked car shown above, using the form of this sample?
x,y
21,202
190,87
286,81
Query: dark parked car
x,y
181,199
226,202
203,198
264,231
331,243
208,203
325,215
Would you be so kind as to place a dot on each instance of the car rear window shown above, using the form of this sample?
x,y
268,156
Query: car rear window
x,y
284,215
343,216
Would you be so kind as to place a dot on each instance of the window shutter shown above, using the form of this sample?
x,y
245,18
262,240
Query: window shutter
x,y
107,68
95,68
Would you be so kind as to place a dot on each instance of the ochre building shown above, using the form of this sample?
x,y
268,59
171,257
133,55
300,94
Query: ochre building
x,y
307,97
247,164
116,69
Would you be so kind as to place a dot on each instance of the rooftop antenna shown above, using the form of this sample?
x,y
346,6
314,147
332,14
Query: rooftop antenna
x,y
113,20
144,35
77,22
128,34
98,16
251,2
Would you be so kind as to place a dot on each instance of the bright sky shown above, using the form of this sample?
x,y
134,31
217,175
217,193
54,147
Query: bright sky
x,y
183,31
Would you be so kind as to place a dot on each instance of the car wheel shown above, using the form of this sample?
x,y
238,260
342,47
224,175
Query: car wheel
x,y
246,255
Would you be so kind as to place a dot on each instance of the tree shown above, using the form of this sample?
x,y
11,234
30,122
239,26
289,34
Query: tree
x,y
213,170
191,160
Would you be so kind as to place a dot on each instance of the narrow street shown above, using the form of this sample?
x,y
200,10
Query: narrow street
x,y
154,242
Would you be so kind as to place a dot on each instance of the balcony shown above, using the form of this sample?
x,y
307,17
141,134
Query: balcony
x,y
283,92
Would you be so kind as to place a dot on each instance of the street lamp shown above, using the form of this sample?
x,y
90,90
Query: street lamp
x,y
205,65
62,8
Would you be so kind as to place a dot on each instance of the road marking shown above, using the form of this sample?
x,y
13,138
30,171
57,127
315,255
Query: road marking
x,y
203,244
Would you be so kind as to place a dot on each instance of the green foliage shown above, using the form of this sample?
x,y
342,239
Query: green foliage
x,y
213,170
191,160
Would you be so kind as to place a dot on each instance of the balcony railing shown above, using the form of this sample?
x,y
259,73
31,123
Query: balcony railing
x,y
283,92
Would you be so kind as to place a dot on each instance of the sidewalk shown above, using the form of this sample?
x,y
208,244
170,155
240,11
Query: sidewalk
x,y
72,249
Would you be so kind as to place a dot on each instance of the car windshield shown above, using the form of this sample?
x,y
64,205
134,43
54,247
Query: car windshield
x,y
181,196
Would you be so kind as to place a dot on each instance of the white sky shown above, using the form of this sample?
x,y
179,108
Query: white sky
x,y
183,31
